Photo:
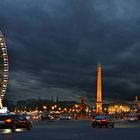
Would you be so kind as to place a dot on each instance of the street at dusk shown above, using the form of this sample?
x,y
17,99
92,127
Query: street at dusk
x,y
69,70
74,130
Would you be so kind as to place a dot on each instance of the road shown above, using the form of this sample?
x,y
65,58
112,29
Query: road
x,y
74,130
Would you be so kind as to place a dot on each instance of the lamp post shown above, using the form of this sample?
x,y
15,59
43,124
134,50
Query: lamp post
x,y
44,107
52,107
76,106
116,113
121,111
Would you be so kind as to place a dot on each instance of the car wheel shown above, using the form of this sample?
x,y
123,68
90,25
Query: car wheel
x,y
13,128
107,126
29,126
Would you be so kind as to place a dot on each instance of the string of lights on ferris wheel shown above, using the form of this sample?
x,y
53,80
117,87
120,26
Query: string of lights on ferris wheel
x,y
4,67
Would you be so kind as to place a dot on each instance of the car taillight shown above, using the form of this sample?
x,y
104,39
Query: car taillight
x,y
8,120
104,120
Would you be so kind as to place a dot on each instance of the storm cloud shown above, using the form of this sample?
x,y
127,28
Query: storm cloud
x,y
54,47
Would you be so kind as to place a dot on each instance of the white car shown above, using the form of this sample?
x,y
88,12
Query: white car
x,y
65,117
132,119
3,110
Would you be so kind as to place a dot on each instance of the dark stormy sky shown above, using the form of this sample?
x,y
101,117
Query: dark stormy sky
x,y
54,47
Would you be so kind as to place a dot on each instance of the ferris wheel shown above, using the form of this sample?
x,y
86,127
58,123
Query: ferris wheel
x,y
4,67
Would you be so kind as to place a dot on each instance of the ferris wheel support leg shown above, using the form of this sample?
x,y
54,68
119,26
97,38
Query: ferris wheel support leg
x,y
1,106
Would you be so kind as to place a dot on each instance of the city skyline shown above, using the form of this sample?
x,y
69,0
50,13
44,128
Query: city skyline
x,y
54,48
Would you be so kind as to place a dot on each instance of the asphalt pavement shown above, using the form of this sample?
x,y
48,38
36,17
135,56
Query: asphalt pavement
x,y
74,130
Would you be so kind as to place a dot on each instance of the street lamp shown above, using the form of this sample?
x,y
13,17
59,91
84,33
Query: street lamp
x,y
76,106
52,107
44,107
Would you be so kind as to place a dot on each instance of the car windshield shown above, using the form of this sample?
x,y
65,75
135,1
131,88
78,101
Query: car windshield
x,y
10,116
101,117
4,117
64,115
107,117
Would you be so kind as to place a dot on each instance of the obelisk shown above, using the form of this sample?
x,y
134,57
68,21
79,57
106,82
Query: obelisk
x,y
99,91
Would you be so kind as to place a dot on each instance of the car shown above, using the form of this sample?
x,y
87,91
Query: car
x,y
35,116
13,121
65,117
138,116
100,121
28,117
46,116
132,118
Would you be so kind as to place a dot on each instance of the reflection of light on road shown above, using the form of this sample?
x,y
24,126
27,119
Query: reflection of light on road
x,y
20,130
6,131
127,125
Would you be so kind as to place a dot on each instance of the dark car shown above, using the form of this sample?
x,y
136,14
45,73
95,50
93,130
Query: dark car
x,y
103,121
138,116
65,117
46,116
13,121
